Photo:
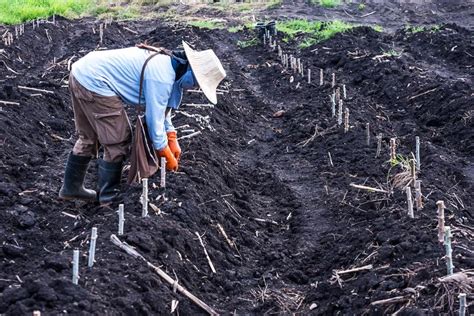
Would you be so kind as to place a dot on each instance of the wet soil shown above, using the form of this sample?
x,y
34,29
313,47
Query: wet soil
x,y
291,217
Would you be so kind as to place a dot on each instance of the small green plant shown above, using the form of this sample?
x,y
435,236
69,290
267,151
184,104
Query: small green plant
x,y
414,29
210,25
235,29
361,6
313,31
327,3
392,53
377,28
274,4
247,43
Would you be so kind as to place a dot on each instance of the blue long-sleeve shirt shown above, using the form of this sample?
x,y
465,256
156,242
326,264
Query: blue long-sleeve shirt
x,y
117,72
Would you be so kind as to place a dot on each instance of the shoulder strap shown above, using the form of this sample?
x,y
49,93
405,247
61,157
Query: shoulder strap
x,y
142,75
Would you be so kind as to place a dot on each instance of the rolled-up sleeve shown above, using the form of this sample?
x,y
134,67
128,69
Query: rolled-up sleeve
x,y
156,98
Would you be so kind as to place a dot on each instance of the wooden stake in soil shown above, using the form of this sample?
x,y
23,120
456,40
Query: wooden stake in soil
x,y
92,247
75,267
367,133
413,169
131,251
309,76
462,304
333,104
321,77
440,205
417,156
101,33
339,114
346,120
144,197
449,250
393,149
338,94
163,173
344,92
333,82
205,252
121,219
379,145
418,196
409,202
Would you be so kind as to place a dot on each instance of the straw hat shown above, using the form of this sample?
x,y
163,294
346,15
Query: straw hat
x,y
207,69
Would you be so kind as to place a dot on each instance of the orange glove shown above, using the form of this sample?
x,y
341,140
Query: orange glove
x,y
171,162
174,145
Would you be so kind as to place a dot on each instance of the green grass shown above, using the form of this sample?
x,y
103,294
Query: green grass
x,y
327,3
361,6
314,31
235,29
417,29
248,43
18,11
210,25
377,28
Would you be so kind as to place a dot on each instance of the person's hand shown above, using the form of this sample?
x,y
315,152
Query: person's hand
x,y
171,162
173,144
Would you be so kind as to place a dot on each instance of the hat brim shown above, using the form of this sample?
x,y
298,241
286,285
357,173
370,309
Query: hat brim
x,y
207,81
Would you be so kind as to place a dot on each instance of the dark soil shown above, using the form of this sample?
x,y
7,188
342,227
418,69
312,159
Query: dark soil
x,y
293,217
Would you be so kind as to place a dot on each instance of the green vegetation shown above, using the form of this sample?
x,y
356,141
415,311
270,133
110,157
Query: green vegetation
x,y
392,53
314,31
361,6
248,43
377,28
235,29
210,25
327,3
417,29
18,11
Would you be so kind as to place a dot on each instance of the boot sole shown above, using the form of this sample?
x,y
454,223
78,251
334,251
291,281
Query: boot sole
x,y
69,198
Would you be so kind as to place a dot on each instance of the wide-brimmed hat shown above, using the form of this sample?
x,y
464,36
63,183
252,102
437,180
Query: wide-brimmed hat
x,y
207,69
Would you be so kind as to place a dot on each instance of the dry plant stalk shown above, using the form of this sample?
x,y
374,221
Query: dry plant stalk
x,y
440,205
321,77
417,151
409,202
339,114
338,94
379,145
333,82
370,189
418,195
346,120
393,149
131,251
413,169
205,252
367,133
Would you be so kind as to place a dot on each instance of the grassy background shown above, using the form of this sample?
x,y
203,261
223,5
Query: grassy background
x,y
17,11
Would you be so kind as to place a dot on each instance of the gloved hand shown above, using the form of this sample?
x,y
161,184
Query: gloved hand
x,y
173,144
171,162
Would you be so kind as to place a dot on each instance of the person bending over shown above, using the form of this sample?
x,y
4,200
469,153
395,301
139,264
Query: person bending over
x,y
103,82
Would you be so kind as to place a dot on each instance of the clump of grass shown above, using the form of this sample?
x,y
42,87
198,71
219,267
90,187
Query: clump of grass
x,y
418,29
377,28
327,3
247,43
361,6
18,11
315,31
274,4
235,29
210,25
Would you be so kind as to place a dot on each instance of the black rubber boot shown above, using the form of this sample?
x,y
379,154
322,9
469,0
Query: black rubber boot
x,y
110,174
260,28
271,28
73,185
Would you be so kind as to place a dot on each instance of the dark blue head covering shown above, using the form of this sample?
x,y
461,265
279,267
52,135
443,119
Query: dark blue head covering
x,y
183,81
